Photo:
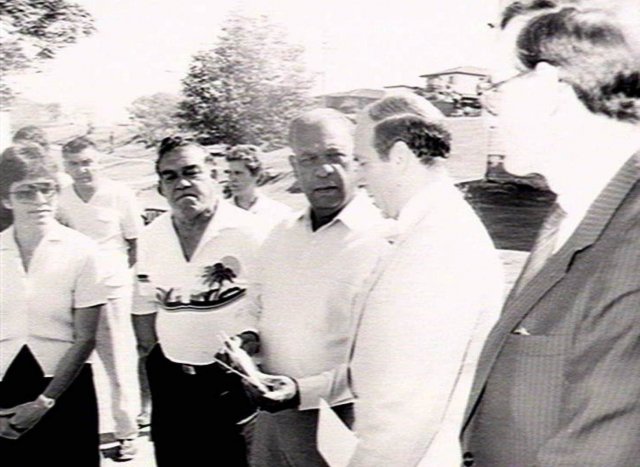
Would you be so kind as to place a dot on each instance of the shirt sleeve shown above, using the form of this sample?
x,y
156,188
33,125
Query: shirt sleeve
x,y
90,289
144,301
332,386
131,215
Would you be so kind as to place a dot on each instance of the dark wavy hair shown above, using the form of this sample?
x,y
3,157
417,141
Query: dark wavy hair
x,y
171,143
77,145
591,50
24,161
31,134
410,119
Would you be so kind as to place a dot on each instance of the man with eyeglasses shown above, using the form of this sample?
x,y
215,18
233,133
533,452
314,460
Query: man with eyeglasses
x,y
312,267
107,212
558,380
193,279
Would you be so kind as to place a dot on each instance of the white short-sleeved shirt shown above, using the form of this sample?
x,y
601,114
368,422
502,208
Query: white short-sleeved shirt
x,y
198,299
306,287
269,211
110,217
36,307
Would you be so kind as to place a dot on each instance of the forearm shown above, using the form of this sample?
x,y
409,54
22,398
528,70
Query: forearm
x,y
144,327
331,385
69,367
85,326
132,251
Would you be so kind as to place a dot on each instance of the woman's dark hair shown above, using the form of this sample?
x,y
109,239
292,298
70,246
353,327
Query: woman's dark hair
x,y
24,161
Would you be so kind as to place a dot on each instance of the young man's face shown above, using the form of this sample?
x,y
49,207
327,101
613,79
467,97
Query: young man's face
x,y
240,178
33,201
82,166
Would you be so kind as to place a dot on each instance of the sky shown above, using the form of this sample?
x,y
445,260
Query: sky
x,y
144,46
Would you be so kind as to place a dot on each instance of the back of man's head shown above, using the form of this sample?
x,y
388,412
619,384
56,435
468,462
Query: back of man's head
x,y
77,145
31,134
408,118
589,46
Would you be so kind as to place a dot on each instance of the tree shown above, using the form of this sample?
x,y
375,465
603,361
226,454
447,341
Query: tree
x,y
247,89
34,30
155,116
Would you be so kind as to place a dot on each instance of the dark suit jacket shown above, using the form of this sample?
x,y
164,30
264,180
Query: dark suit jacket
x,y
568,394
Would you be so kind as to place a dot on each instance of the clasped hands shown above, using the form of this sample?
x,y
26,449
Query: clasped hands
x,y
16,421
271,393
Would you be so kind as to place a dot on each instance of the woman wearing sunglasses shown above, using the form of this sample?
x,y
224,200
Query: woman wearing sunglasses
x,y
50,298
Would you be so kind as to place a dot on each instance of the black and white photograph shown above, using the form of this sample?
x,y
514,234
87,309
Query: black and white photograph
x,y
277,233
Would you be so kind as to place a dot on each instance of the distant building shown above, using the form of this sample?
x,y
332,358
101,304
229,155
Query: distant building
x,y
463,80
351,102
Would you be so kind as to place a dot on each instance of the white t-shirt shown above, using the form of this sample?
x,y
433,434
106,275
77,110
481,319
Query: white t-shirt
x,y
110,217
197,299
269,211
36,306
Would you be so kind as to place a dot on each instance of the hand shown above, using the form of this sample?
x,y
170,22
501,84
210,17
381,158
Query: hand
x,y
5,429
282,393
23,417
249,342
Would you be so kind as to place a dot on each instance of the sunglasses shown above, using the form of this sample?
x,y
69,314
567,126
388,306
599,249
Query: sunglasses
x,y
30,192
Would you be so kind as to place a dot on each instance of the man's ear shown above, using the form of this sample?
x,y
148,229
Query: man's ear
x,y
294,165
6,202
553,90
400,155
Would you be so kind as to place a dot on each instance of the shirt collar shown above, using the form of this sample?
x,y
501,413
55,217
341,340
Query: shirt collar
x,y
423,202
576,205
360,213
8,240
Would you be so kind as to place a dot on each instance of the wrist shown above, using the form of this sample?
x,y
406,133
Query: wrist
x,y
45,402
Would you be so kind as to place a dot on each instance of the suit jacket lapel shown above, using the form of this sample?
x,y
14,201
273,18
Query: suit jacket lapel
x,y
518,305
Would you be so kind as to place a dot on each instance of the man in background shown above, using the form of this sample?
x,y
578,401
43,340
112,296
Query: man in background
x,y
558,381
108,212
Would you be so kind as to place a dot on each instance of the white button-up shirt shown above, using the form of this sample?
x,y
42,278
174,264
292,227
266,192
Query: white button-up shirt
x,y
307,284
36,306
199,298
110,217
431,305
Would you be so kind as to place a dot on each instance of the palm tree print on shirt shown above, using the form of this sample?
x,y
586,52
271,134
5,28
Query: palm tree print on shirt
x,y
217,274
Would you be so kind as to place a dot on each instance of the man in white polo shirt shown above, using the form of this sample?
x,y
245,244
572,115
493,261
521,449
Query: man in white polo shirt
x,y
311,269
108,212
193,268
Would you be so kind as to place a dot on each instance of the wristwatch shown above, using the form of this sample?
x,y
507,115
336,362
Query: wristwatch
x,y
46,402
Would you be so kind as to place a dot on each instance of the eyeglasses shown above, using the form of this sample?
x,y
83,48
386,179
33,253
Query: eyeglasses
x,y
491,97
30,192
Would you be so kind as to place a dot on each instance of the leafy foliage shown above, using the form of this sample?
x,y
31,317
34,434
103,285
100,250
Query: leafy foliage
x,y
247,89
34,30
155,116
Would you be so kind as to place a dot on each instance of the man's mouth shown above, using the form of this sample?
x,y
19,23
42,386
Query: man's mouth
x,y
325,189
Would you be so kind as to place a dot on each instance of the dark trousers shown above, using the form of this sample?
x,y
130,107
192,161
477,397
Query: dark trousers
x,y
289,438
67,434
194,414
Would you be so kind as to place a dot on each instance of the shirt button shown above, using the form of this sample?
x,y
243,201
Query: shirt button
x,y
467,459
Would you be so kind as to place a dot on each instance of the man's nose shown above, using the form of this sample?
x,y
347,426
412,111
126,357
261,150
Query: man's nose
x,y
183,182
324,169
